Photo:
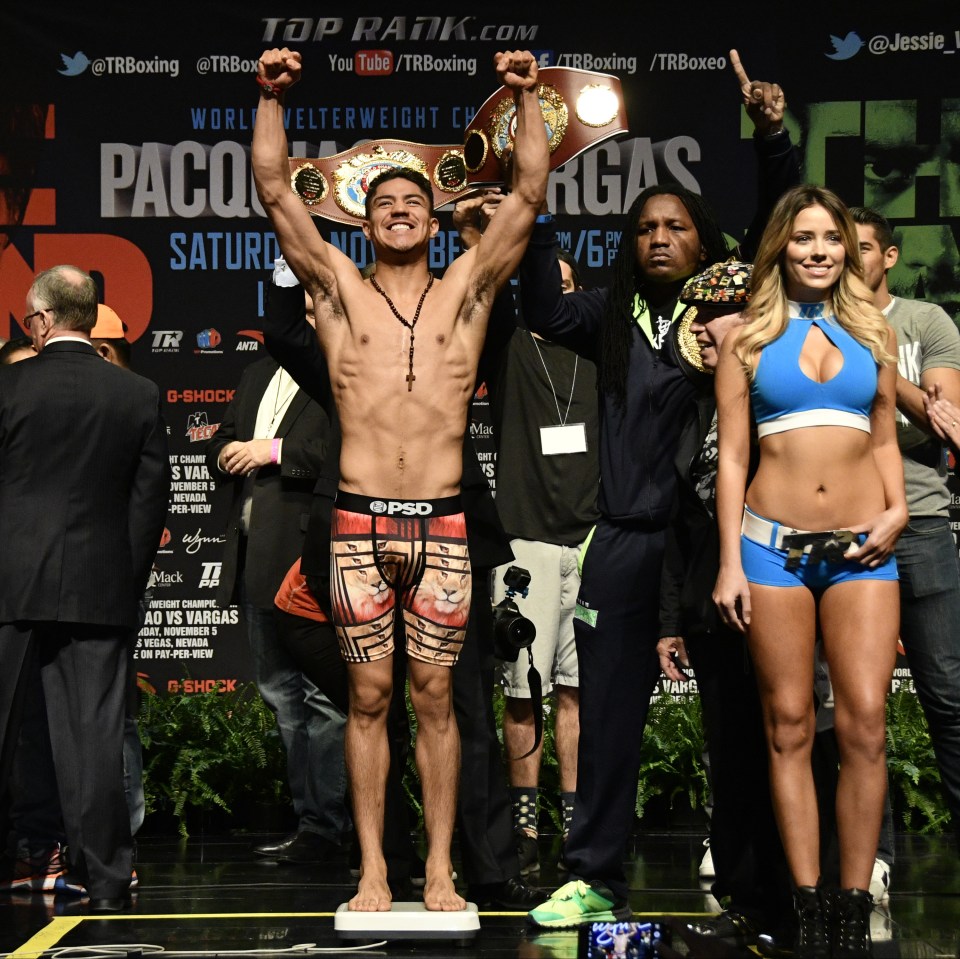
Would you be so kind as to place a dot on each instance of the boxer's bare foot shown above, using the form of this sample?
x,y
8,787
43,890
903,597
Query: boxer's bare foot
x,y
373,894
439,892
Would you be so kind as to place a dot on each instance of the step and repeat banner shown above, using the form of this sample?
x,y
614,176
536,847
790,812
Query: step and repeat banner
x,y
124,149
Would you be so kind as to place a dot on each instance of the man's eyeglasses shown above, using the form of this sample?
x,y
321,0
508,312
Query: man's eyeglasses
x,y
26,321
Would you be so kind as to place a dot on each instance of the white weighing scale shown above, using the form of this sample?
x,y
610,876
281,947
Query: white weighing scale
x,y
408,920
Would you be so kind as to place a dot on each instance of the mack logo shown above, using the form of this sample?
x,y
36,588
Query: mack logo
x,y
392,507
160,579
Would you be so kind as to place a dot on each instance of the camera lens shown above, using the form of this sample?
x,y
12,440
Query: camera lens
x,y
520,631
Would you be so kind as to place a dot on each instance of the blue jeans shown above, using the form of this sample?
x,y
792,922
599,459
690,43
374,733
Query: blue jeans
x,y
311,729
930,632
133,773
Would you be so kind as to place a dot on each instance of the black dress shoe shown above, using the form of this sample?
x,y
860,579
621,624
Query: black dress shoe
x,y
731,926
299,847
512,894
119,904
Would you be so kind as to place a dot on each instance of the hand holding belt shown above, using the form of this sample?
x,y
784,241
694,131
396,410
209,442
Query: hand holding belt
x,y
579,109
335,187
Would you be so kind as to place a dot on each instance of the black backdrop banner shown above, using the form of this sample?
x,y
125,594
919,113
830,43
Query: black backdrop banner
x,y
125,151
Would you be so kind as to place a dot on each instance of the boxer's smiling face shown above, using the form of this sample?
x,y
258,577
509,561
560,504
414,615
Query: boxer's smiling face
x,y
400,217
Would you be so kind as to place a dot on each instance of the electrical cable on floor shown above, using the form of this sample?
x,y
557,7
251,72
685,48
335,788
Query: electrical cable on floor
x,y
135,950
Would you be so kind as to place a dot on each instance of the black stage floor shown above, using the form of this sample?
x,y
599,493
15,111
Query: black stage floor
x,y
208,895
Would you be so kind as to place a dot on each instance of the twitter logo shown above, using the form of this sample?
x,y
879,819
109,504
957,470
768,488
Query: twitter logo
x,y
75,65
846,48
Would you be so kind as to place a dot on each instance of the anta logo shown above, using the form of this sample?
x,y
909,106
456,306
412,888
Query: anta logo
x,y
393,507
252,340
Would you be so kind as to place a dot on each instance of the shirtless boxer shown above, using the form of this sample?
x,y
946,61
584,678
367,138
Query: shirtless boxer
x,y
402,350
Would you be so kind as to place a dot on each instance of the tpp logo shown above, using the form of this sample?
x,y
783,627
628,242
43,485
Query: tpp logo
x,y
167,341
208,339
373,63
75,65
210,575
845,48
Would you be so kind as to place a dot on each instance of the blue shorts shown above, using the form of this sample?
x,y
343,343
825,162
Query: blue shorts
x,y
766,565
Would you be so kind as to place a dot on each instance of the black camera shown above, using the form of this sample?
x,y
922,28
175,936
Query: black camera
x,y
512,631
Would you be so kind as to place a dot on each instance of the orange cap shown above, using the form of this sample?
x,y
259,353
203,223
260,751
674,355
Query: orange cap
x,y
109,326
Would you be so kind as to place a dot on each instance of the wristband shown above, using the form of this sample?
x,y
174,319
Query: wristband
x,y
275,451
269,88
544,218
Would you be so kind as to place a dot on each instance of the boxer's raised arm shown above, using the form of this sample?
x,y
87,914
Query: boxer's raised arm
x,y
314,262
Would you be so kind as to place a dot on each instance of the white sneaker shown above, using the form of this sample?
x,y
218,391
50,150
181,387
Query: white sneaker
x,y
880,881
706,864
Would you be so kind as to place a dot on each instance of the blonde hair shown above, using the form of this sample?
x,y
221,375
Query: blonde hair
x,y
768,312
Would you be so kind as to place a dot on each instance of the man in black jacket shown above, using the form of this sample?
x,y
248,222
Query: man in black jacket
x,y
669,235
83,498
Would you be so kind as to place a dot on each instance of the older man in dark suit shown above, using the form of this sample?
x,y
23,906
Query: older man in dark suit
x,y
84,480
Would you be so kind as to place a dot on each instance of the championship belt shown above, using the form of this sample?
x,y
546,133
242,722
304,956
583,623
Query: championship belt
x,y
580,109
681,344
335,187
686,343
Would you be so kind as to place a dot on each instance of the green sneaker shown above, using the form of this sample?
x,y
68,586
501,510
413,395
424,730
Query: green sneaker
x,y
576,903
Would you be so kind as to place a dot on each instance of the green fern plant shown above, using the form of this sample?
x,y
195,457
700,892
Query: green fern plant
x,y
912,766
207,751
671,756
210,751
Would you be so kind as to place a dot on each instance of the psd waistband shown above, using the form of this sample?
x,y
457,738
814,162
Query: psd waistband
x,y
401,508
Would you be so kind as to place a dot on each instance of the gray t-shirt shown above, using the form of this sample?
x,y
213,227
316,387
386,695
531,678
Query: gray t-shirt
x,y
926,339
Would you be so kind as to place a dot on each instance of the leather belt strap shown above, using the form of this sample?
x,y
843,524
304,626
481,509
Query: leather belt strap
x,y
335,187
579,108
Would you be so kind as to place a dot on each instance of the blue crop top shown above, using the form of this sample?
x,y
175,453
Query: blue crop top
x,y
785,398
